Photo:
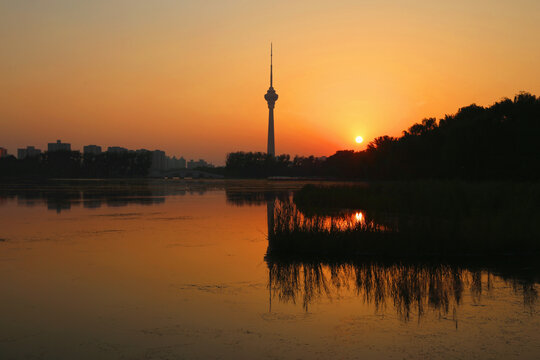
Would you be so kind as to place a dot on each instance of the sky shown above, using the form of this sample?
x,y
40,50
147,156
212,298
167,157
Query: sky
x,y
189,77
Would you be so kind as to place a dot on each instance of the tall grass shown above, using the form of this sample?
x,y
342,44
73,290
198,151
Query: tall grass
x,y
435,218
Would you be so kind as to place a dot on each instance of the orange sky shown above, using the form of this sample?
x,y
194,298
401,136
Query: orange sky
x,y
189,77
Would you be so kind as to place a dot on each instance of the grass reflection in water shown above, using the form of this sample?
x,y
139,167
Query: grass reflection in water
x,y
410,288
385,261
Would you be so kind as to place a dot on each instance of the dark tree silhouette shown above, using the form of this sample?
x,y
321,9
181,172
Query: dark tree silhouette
x,y
493,143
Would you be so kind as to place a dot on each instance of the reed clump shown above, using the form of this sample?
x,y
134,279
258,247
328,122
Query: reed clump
x,y
443,218
294,232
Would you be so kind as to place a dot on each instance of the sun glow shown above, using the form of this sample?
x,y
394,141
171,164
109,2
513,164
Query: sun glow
x,y
359,139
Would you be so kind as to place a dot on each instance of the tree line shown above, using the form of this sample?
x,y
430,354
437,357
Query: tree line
x,y
499,142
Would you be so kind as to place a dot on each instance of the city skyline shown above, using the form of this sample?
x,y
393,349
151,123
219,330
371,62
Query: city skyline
x,y
151,76
84,149
169,161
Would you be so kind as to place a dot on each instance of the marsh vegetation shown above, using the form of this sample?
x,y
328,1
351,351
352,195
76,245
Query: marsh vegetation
x,y
397,218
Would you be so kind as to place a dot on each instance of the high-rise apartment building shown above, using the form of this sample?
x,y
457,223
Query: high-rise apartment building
x,y
92,149
27,152
116,149
58,146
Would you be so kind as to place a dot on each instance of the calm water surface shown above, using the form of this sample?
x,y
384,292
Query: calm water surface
x,y
175,269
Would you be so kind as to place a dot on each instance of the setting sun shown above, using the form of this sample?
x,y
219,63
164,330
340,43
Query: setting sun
x,y
359,139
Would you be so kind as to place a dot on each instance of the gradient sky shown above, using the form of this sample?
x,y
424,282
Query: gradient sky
x,y
189,77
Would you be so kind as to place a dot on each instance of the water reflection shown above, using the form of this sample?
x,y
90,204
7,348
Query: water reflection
x,y
63,195
188,279
239,197
412,287
302,276
290,218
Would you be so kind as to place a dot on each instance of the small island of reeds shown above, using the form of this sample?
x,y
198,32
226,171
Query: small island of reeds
x,y
442,218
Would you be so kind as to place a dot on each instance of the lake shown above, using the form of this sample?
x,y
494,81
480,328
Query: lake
x,y
174,269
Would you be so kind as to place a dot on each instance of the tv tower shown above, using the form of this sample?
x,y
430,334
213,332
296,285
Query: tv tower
x,y
271,98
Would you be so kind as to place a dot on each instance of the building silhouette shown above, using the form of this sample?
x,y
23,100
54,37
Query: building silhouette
x,y
3,152
29,152
58,146
174,163
198,164
159,160
92,149
116,149
271,98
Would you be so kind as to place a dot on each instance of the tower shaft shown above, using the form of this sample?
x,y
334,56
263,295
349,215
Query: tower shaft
x,y
271,150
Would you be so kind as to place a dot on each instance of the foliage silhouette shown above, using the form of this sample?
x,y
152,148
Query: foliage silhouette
x,y
477,143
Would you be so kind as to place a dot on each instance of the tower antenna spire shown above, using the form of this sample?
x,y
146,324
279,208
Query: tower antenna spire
x,y
271,76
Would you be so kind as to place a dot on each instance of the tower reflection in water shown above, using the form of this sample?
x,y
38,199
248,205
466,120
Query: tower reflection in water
x,y
411,287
